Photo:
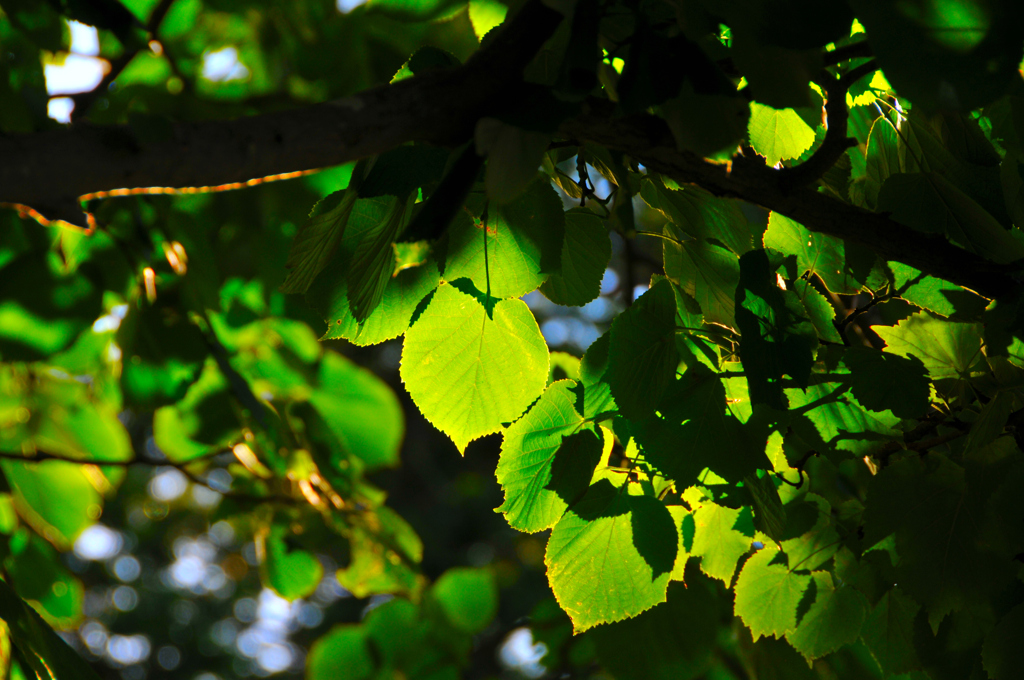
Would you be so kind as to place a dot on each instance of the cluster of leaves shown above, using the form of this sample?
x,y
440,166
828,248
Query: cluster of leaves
x,y
739,477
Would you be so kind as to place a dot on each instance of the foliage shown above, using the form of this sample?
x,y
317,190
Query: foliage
x,y
795,454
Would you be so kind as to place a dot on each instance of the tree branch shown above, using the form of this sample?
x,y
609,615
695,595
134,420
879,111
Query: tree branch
x,y
648,140
49,171
837,116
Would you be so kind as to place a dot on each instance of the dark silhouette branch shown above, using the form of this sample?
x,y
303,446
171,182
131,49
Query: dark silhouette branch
x,y
837,115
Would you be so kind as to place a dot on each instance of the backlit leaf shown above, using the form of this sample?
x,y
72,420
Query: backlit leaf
x,y
833,621
468,372
524,244
608,558
778,135
547,460
768,593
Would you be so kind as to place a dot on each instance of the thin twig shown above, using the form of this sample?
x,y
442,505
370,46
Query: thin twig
x,y
876,299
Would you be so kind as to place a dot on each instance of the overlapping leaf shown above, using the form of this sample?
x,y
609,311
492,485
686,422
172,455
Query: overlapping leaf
x,y
468,371
611,555
547,459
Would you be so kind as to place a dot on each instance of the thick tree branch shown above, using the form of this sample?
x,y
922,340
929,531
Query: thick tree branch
x,y
648,140
49,171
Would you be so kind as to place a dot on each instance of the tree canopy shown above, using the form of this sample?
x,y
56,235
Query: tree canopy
x,y
719,300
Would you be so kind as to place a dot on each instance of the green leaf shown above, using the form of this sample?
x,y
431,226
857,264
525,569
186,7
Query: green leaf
x,y
611,555
317,240
817,310
597,394
774,341
956,56
547,460
1002,645
928,202
42,310
342,652
468,598
563,366
934,294
882,157
378,221
642,352
400,171
469,372
815,253
163,352
700,214
205,419
840,423
778,76
883,381
696,430
833,621
677,636
949,351
721,538
585,254
35,570
402,296
945,563
889,632
778,135
360,409
485,15
769,515
705,271
46,651
709,125
54,498
61,416
513,156
291,573
809,548
768,593
524,244
385,551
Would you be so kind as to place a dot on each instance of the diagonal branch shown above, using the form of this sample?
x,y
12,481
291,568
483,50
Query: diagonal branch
x,y
49,171
648,140
836,142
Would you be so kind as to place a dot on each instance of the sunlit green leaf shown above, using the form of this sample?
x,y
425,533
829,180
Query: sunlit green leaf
x,y
610,556
56,499
778,135
523,244
833,620
547,459
469,372
768,593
